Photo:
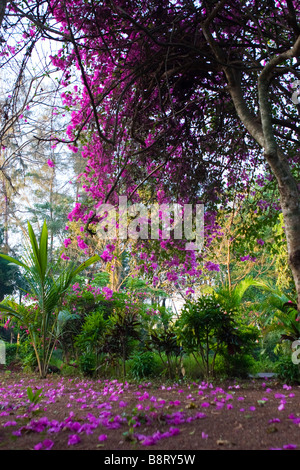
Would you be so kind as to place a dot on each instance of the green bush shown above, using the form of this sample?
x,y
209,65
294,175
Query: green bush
x,y
143,364
287,370
236,365
192,370
87,364
11,350
69,370
268,345
26,353
207,330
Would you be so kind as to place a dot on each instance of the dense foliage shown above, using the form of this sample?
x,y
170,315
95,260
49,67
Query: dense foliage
x,y
187,103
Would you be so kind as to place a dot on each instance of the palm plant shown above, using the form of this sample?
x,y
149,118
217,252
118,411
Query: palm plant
x,y
47,284
231,297
280,306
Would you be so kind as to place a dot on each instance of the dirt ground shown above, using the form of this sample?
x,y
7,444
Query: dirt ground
x,y
81,414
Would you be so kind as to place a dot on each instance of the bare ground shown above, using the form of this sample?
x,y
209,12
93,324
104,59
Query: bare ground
x,y
81,414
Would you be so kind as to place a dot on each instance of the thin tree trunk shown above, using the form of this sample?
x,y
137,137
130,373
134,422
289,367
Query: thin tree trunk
x,y
228,264
124,358
3,4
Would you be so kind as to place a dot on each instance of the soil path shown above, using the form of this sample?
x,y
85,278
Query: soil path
x,y
81,414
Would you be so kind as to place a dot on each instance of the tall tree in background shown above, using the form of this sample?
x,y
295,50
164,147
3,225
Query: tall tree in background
x,y
28,104
10,277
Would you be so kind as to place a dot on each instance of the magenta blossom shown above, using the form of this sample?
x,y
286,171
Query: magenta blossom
x,y
47,444
73,439
108,293
50,163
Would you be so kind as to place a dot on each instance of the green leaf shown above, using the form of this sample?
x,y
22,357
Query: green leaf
x,y
14,261
30,393
35,254
44,249
34,397
5,308
86,264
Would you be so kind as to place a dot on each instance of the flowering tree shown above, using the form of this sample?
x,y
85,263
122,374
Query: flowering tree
x,y
190,98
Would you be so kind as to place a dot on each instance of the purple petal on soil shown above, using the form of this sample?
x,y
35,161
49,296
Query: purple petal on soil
x,y
290,446
73,439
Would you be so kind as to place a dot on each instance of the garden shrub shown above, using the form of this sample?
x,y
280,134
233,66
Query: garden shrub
x,y
143,364
287,370
11,351
87,364
191,369
235,366
206,330
92,332
163,340
123,331
68,370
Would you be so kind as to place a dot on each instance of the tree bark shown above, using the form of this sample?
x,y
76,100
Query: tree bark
x,y
287,185
3,4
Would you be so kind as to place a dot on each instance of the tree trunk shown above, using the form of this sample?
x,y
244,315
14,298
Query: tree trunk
x,y
124,358
2,10
260,128
290,205
263,133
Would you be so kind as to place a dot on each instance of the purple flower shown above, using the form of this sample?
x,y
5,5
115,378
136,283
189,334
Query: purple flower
x,y
106,256
67,242
123,404
172,276
107,292
81,243
212,266
279,395
73,439
50,163
205,404
148,441
38,446
75,426
175,403
102,437
174,431
274,420
47,444
110,248
10,423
